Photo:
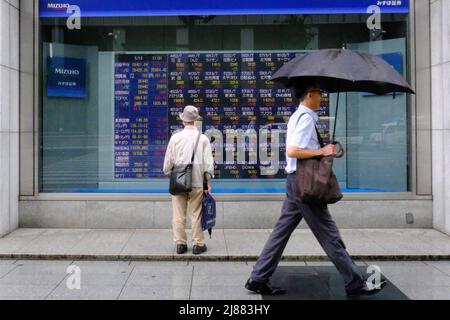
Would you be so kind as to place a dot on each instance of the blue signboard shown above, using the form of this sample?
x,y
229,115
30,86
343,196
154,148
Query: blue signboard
x,y
395,60
66,77
117,8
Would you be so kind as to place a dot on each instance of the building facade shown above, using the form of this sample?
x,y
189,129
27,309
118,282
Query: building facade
x,y
91,93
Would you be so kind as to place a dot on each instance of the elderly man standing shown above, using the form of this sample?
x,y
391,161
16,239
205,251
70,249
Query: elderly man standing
x,y
179,152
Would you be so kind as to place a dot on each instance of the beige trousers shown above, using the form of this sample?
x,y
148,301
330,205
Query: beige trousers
x,y
180,206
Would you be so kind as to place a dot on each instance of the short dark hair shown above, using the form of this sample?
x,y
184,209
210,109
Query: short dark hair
x,y
301,88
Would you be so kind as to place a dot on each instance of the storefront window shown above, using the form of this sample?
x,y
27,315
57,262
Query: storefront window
x,y
111,92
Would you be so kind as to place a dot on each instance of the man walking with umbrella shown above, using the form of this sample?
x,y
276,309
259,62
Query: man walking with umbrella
x,y
335,71
303,143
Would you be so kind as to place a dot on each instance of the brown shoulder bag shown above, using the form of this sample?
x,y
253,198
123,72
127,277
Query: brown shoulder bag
x,y
316,182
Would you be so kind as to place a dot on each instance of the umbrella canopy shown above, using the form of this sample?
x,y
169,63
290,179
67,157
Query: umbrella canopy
x,y
342,70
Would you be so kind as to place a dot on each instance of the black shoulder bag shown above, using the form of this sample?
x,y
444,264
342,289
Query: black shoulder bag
x,y
181,176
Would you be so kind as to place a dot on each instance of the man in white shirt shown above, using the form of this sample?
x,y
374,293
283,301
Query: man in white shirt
x,y
303,143
179,152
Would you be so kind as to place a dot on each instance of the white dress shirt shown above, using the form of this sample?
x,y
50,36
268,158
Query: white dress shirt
x,y
301,134
179,152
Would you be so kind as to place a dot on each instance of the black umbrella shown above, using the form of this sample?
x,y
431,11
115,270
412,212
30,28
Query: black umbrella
x,y
342,70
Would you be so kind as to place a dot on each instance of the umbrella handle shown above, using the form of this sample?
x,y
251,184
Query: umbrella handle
x,y
341,151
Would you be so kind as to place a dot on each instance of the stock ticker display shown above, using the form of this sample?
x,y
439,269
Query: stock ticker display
x,y
231,92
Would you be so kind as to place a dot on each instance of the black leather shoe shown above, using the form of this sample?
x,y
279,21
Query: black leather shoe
x,y
198,249
181,248
263,288
366,291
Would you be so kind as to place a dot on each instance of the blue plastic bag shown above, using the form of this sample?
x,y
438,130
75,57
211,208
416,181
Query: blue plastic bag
x,y
208,213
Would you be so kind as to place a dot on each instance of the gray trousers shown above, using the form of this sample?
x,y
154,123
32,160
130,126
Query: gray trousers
x,y
324,229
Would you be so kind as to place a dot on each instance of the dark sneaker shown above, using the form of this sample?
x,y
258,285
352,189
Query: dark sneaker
x,y
181,248
199,249
264,288
366,291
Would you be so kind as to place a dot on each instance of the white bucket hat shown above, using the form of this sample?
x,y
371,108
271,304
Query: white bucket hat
x,y
190,114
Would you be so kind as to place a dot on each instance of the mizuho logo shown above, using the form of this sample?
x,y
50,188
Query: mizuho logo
x,y
67,72
58,6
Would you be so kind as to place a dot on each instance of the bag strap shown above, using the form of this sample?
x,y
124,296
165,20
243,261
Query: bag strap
x,y
319,137
196,146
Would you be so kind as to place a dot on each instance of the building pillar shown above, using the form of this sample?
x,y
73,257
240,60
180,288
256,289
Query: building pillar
x,y
440,83
9,116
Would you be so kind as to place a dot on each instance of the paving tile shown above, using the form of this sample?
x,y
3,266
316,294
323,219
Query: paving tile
x,y
37,298
54,242
5,268
414,273
166,264
155,292
150,242
104,266
32,279
303,242
93,292
156,268
46,265
172,280
76,298
215,292
110,279
426,293
330,264
433,238
160,276
358,243
102,242
402,242
406,267
245,242
18,239
399,264
421,280
443,266
35,274
24,291
108,273
220,280
220,268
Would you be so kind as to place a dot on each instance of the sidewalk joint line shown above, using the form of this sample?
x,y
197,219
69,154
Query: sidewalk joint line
x,y
41,232
128,240
81,239
15,267
443,272
192,281
59,283
226,244
126,281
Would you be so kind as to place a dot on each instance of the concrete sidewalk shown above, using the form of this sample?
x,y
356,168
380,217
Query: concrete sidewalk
x,y
200,280
225,245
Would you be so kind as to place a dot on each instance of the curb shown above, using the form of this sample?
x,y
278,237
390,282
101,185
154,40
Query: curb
x,y
209,258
